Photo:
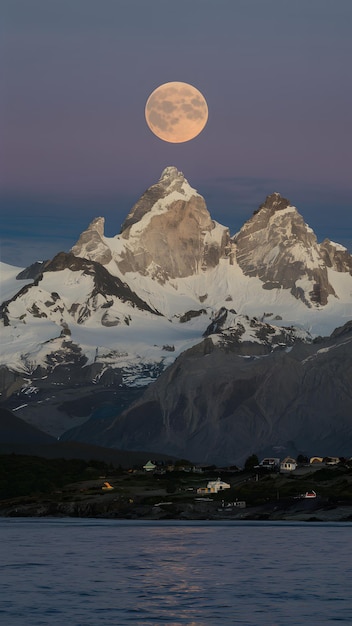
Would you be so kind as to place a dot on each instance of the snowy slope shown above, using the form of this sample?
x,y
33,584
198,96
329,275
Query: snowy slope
x,y
9,286
66,308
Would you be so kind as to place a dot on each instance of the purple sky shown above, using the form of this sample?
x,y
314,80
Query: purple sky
x,y
75,76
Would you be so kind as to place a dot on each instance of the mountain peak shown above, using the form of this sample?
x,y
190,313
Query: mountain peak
x,y
97,224
170,234
275,202
171,173
91,244
171,180
162,227
282,250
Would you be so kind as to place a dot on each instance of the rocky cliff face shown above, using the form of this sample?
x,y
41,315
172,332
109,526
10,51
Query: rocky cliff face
x,y
277,246
336,256
167,234
91,244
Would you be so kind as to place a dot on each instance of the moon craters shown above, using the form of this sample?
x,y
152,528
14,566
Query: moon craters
x,y
176,112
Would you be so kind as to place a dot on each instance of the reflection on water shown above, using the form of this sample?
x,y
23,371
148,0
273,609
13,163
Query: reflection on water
x,y
107,573
167,577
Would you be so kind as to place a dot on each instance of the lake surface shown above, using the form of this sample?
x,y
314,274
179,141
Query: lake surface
x,y
78,572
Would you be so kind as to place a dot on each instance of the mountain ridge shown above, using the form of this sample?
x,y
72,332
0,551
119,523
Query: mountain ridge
x,y
216,405
116,313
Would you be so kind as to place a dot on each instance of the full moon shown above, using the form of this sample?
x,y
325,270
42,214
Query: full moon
x,y
176,112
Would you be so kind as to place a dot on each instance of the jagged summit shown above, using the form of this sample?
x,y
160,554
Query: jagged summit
x,y
169,234
91,244
277,245
274,202
172,185
171,182
169,231
169,174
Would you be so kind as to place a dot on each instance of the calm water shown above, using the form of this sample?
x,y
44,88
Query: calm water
x,y
98,573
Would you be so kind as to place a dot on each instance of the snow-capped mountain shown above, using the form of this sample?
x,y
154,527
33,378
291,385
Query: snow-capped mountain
x,y
277,246
174,255
116,312
167,235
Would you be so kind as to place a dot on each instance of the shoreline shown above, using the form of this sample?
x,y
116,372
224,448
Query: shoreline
x,y
205,511
35,487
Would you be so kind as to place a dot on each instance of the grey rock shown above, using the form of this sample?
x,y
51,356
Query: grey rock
x,y
277,246
91,244
14,430
336,256
174,242
33,271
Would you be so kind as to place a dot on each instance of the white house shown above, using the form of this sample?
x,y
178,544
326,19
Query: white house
x,y
288,465
149,466
214,486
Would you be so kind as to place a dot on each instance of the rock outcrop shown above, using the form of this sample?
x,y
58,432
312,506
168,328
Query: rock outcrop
x,y
279,247
91,243
169,232
336,256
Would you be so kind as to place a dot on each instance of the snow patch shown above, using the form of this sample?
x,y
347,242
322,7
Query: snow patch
x,y
160,207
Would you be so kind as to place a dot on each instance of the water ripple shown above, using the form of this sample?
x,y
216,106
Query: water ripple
x,y
89,572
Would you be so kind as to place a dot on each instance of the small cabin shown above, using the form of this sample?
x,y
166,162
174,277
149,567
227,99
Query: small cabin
x,y
149,466
214,486
288,464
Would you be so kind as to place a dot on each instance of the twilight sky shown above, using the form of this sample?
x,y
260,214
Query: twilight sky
x,y
75,77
